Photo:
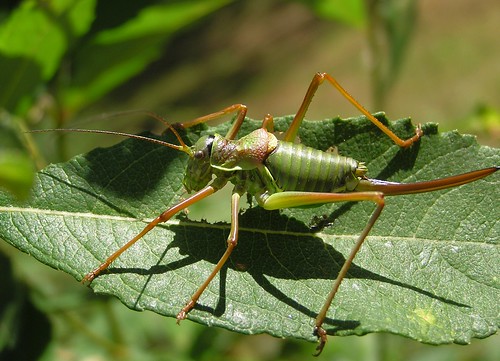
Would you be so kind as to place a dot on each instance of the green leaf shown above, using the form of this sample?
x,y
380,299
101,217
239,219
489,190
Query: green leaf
x,y
429,269
351,12
33,41
16,167
16,172
116,54
23,328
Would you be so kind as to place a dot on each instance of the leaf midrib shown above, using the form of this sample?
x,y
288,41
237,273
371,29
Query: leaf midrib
x,y
226,226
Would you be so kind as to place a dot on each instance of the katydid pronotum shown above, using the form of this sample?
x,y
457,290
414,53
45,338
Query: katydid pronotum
x,y
279,174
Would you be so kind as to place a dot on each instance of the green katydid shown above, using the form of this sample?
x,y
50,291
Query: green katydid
x,y
279,174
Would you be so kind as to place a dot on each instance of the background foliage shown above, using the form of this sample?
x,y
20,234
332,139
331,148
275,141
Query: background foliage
x,y
63,61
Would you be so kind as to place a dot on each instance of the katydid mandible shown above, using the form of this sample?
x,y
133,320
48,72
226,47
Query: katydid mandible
x,y
280,174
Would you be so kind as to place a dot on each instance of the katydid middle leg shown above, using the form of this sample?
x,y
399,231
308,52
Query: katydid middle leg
x,y
232,241
317,80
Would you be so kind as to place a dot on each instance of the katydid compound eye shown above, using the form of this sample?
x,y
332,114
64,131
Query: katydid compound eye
x,y
207,149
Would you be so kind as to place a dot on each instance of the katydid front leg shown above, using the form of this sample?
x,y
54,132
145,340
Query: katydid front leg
x,y
165,216
239,109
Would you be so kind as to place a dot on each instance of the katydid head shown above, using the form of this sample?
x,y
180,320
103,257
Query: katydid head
x,y
199,170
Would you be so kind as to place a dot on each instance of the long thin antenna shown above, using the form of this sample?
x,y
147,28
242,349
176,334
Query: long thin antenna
x,y
182,147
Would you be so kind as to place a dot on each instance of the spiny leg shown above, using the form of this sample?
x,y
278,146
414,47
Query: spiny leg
x,y
319,331
296,199
317,80
232,240
240,109
165,216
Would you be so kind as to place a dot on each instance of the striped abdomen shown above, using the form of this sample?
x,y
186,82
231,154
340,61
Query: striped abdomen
x,y
296,167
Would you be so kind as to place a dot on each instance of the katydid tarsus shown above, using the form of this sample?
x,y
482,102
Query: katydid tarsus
x,y
279,174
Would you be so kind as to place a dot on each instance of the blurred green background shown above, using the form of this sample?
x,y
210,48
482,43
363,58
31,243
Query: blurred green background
x,y
65,63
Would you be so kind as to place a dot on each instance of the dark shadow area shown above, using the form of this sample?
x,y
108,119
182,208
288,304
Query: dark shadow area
x,y
82,190
403,160
29,329
131,168
129,179
263,255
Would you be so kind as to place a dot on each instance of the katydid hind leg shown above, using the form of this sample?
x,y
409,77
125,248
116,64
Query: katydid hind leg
x,y
382,189
295,199
319,331
232,241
